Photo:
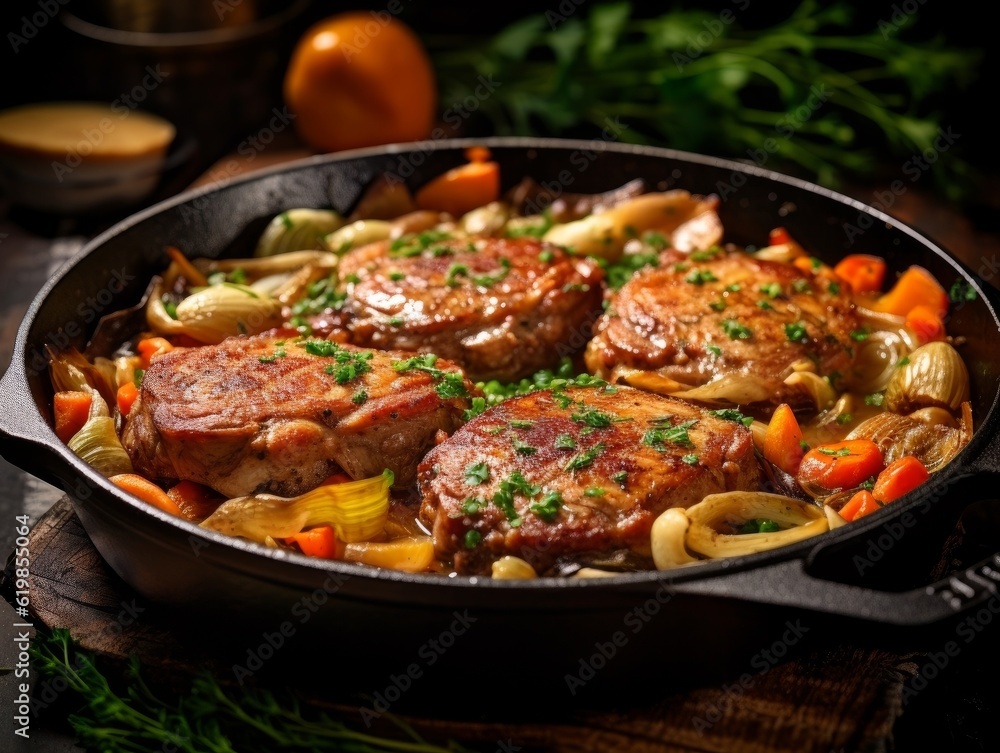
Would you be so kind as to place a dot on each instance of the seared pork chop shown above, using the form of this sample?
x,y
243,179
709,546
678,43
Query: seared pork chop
x,y
501,308
281,414
697,319
581,473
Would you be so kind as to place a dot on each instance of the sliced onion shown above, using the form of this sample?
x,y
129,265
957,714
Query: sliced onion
x,y
897,436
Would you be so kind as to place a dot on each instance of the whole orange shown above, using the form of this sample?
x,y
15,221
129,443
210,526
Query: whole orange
x,y
360,79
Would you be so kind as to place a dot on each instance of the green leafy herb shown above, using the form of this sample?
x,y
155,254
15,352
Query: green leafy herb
x,y
801,286
765,305
903,361
548,507
477,473
960,291
772,290
170,307
735,330
478,406
869,484
451,385
731,414
545,256
472,506
472,538
620,478
842,452
594,491
519,424
584,459
659,436
706,255
565,442
876,399
395,321
454,272
594,417
514,484
860,335
522,448
484,281
700,277
844,418
414,244
756,525
690,459
734,288
359,397
719,305
715,350
137,377
833,288
796,332
622,271
397,276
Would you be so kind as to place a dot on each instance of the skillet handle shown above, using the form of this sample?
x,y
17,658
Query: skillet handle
x,y
25,440
789,584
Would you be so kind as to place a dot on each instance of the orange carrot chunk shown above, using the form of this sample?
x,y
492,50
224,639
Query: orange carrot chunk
x,y
861,504
862,272
127,395
783,440
923,322
147,491
317,542
462,189
915,287
841,465
151,347
899,477
196,502
71,409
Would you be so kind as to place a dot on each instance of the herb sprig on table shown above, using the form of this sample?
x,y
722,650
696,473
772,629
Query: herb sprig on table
x,y
209,719
685,79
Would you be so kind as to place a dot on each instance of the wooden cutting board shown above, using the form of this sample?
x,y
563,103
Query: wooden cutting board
x,y
844,698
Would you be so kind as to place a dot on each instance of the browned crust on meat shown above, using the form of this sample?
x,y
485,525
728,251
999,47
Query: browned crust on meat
x,y
657,476
537,310
239,418
661,321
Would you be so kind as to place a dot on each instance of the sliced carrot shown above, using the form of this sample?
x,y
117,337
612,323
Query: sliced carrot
x,y
778,236
899,477
923,322
841,465
462,189
915,287
71,409
147,491
861,504
317,542
127,395
478,154
196,502
152,347
864,273
782,441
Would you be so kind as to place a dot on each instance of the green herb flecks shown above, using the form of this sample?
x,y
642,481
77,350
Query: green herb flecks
x,y
476,474
665,433
735,330
547,508
584,459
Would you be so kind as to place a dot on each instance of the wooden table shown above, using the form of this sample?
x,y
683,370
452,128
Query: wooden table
x,y
845,695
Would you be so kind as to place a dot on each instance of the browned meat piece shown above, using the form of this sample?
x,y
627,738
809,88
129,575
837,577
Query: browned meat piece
x,y
715,316
582,473
502,308
280,415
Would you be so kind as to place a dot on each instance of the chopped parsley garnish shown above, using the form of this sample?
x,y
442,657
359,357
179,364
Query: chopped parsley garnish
x,y
450,383
518,424
731,414
717,305
484,281
765,305
715,350
690,459
860,335
876,399
594,491
504,499
478,406
575,287
395,321
472,506
869,484
472,539
396,276
962,291
348,364
621,272
352,278
706,255
735,330
796,332
654,240
531,231
326,348
565,442
286,221
758,525
804,445
815,263
844,418
833,288
545,256
659,436
620,478
584,459
320,296
548,507
801,286
414,244
170,307
772,290
681,267
522,448
734,288
137,377
454,272
476,474
359,397
903,361
593,417
843,452
700,277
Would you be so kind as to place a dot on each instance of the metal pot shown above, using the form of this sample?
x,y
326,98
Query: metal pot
x,y
680,622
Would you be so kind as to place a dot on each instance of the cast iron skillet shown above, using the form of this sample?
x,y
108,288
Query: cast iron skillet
x,y
867,570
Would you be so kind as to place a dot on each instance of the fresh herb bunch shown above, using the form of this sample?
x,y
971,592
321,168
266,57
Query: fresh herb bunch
x,y
685,79
209,719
